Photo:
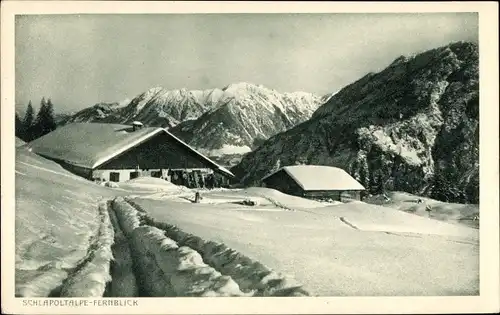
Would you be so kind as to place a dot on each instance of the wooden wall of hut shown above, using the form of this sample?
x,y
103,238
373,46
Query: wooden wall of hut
x,y
283,182
159,152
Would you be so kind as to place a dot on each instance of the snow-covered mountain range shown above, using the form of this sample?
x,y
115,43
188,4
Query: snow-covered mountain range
x,y
412,127
245,116
232,120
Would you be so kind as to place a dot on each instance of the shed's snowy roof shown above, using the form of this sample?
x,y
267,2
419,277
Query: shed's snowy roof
x,y
92,144
319,177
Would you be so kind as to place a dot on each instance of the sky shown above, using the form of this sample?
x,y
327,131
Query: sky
x,y
80,60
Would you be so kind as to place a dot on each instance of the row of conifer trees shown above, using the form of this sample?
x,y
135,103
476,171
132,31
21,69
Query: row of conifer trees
x,y
32,127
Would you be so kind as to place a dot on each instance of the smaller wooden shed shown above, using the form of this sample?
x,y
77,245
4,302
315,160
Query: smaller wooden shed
x,y
315,182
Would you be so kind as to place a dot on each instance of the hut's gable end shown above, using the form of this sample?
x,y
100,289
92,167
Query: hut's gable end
x,y
159,152
283,182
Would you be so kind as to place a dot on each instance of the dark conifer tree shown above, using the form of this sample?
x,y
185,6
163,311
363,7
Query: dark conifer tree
x,y
45,121
27,124
31,127
19,126
50,123
37,125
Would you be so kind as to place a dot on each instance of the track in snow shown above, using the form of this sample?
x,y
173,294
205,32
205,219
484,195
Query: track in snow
x,y
348,223
168,262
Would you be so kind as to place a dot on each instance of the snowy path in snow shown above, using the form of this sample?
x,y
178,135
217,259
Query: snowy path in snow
x,y
59,227
170,262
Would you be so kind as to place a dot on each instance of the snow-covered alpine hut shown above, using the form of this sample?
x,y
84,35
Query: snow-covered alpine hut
x,y
113,152
314,182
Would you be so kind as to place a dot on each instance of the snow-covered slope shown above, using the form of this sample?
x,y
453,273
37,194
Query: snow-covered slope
x,y
352,249
457,213
231,120
361,249
57,224
412,127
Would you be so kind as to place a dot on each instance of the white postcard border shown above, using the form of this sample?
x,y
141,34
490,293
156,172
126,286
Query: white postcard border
x,y
488,301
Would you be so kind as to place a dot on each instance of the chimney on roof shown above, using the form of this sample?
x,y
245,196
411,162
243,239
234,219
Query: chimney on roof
x,y
137,125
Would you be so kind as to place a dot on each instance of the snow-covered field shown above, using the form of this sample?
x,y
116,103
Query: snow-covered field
x,y
443,211
62,235
350,249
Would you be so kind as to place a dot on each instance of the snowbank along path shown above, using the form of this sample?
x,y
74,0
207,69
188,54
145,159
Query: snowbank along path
x,y
63,233
169,262
89,277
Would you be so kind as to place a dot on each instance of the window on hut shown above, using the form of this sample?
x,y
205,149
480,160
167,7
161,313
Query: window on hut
x,y
114,176
134,174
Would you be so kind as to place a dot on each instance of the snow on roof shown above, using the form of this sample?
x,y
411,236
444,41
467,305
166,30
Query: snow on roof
x,y
319,177
92,144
